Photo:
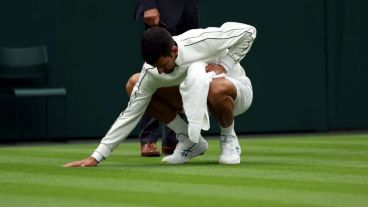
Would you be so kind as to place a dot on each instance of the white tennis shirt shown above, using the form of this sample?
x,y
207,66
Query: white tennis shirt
x,y
226,45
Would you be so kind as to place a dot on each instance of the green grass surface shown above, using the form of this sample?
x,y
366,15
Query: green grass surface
x,y
326,170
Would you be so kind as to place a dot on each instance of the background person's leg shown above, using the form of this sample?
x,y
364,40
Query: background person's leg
x,y
168,140
148,135
164,105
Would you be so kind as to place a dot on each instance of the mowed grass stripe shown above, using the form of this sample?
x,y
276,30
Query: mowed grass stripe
x,y
248,149
51,199
309,141
104,197
305,160
266,176
310,161
308,151
273,172
342,146
328,138
274,157
128,174
110,198
199,190
266,163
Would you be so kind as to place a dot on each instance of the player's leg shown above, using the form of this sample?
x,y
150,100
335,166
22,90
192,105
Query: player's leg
x,y
165,105
228,97
221,100
165,102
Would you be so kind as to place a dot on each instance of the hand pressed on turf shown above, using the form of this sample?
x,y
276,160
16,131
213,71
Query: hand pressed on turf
x,y
88,162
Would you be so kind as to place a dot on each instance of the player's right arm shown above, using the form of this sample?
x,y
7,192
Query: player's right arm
x,y
88,162
124,124
129,118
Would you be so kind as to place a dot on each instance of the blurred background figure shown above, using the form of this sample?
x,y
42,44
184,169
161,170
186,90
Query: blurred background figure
x,y
177,16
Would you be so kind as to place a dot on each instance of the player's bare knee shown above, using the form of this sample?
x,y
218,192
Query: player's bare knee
x,y
131,83
216,94
221,92
222,87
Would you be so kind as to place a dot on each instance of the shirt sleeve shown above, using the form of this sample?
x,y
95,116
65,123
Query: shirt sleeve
x,y
228,43
128,119
237,38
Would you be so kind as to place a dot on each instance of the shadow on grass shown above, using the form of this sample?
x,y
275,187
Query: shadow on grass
x,y
160,164
190,164
257,163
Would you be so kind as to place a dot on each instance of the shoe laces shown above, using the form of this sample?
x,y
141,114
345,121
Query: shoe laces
x,y
229,144
184,146
186,152
227,138
182,137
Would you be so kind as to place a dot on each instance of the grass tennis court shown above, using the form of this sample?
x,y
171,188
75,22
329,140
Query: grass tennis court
x,y
311,170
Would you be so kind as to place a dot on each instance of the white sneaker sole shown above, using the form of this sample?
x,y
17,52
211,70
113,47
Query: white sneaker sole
x,y
172,161
234,161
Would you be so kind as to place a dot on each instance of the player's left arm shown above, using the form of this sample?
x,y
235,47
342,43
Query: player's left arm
x,y
237,38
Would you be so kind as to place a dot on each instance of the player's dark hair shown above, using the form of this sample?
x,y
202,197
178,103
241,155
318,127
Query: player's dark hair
x,y
156,42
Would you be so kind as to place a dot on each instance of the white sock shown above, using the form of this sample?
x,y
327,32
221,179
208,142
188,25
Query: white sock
x,y
178,125
228,131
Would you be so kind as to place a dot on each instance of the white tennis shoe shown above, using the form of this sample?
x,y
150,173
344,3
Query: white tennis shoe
x,y
230,150
186,150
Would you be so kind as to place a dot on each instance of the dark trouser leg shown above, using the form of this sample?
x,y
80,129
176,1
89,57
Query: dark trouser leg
x,y
168,137
148,129
148,134
190,17
169,140
164,105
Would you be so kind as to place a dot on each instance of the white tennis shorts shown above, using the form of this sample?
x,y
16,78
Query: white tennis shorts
x,y
244,94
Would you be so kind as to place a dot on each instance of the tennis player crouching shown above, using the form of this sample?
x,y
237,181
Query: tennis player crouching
x,y
198,72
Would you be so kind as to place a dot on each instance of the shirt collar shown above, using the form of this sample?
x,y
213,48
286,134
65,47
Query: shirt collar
x,y
179,58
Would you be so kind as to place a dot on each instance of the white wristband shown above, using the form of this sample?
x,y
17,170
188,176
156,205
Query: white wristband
x,y
101,152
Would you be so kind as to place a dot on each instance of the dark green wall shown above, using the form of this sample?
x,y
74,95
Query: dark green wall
x,y
92,51
308,64
286,63
347,69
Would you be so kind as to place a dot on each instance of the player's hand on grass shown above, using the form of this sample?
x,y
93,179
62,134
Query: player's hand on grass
x,y
88,162
217,68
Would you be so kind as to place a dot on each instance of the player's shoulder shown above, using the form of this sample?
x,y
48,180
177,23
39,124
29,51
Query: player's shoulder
x,y
195,33
148,70
147,67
